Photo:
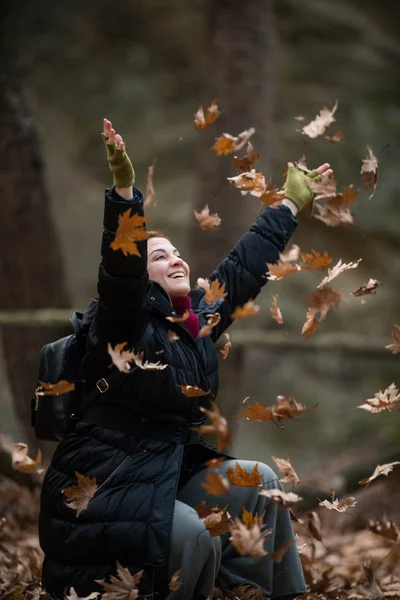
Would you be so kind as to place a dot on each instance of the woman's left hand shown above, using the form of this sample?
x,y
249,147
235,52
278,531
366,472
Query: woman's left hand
x,y
297,189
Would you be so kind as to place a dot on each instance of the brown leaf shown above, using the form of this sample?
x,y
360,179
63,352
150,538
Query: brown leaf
x,y
225,350
387,400
217,522
214,291
256,412
385,528
380,470
337,270
369,288
203,509
369,172
333,216
314,526
201,120
247,310
179,318
172,336
318,126
280,269
250,519
271,195
324,188
311,323
249,181
239,476
78,496
121,587
215,484
22,462
289,408
338,505
278,554
246,163
226,143
321,300
54,389
219,427
207,221
215,462
175,584
285,467
192,391
212,321
150,193
130,230
248,542
282,498
276,311
394,346
122,359
72,595
315,261
338,137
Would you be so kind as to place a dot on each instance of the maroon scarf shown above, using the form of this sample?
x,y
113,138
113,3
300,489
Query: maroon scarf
x,y
181,304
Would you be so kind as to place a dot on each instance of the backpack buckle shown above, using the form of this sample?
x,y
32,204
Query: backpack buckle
x,y
102,385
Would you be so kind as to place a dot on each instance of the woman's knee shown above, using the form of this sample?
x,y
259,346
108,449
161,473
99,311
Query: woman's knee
x,y
188,531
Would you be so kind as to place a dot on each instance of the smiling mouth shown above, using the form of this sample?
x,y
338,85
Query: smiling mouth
x,y
178,275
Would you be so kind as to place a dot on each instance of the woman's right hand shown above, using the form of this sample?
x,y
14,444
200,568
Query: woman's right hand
x,y
118,160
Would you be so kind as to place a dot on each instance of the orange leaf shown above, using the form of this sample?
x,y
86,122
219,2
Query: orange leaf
x,y
54,389
239,476
246,163
212,321
219,427
175,584
214,291
201,120
280,269
276,311
22,462
250,519
203,509
311,324
215,484
369,172
217,523
225,350
215,462
314,261
321,300
288,407
338,137
271,195
207,221
249,181
78,496
247,310
257,412
226,143
130,230
192,391
172,336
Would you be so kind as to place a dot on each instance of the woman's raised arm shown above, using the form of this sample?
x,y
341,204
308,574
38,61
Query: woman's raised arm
x,y
123,278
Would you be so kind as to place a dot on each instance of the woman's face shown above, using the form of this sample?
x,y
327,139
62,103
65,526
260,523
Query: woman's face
x,y
165,266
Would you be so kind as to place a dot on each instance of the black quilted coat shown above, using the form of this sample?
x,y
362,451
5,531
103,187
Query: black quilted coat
x,y
129,517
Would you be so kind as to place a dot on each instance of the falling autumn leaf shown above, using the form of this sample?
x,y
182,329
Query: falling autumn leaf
x,y
207,221
338,505
314,261
172,336
318,126
249,182
121,358
311,323
280,269
369,288
285,467
22,462
369,172
314,526
380,470
192,391
78,496
388,400
215,462
385,528
225,350
54,389
72,595
337,270
276,311
321,300
217,522
256,412
324,188
290,255
215,484
271,195
247,310
214,291
278,554
333,216
289,408
394,346
248,542
150,193
285,499
121,587
226,143
250,519
174,583
246,163
130,230
201,120
219,426
212,321
239,476
338,137
203,509
179,318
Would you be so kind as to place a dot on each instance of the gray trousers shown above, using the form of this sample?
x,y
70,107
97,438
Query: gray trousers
x,y
202,558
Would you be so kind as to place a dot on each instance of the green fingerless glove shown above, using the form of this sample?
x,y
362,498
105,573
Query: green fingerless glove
x,y
296,186
120,165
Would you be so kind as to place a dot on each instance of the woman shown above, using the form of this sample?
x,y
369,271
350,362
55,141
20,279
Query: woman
x,y
136,439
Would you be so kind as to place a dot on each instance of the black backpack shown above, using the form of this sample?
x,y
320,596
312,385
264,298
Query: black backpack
x,y
53,416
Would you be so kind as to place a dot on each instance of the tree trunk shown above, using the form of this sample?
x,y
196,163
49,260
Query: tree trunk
x,y
239,72
31,274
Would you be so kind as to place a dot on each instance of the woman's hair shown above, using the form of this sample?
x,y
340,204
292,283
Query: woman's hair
x,y
157,233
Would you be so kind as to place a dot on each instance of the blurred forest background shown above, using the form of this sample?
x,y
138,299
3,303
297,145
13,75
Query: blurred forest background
x,y
147,66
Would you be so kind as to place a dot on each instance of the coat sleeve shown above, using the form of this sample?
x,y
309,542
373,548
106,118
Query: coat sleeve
x,y
122,280
244,270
